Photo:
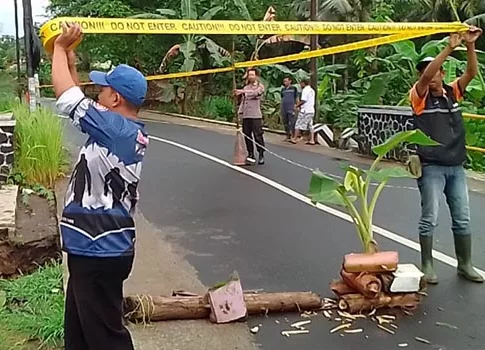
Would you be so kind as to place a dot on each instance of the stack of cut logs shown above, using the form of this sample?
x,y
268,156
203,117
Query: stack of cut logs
x,y
365,284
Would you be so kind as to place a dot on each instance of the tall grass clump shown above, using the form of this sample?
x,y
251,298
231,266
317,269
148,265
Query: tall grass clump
x,y
217,107
39,153
7,93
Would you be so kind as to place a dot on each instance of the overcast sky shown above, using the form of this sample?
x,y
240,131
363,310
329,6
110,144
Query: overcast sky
x,y
7,15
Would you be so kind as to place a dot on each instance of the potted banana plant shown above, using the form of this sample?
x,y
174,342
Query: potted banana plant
x,y
366,278
354,193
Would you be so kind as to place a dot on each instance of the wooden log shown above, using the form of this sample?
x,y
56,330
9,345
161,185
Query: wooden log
x,y
339,288
367,284
386,279
406,300
282,302
374,263
355,303
146,308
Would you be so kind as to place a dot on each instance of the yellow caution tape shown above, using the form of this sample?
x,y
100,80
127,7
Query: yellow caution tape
x,y
399,31
476,149
473,116
50,30
363,44
389,39
189,74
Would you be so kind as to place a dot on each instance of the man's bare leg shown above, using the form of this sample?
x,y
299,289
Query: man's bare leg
x,y
296,136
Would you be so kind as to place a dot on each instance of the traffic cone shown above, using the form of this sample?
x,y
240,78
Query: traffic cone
x,y
240,153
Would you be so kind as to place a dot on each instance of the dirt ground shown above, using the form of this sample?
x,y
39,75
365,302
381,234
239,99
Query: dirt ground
x,y
35,221
35,241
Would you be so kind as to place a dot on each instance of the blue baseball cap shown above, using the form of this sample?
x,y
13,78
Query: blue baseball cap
x,y
125,80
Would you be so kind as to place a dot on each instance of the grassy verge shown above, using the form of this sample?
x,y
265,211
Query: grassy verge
x,y
32,306
7,93
32,309
39,153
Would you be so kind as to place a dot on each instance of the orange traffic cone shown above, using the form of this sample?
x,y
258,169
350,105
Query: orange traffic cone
x,y
240,153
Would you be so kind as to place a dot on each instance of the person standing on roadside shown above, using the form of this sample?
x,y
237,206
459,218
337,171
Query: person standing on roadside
x,y
304,122
98,231
437,113
289,98
250,113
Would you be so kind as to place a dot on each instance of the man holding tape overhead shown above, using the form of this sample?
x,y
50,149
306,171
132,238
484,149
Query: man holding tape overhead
x,y
97,225
437,113
252,118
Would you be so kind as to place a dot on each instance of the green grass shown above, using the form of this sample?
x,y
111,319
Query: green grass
x,y
34,307
10,340
216,107
39,153
7,93
475,136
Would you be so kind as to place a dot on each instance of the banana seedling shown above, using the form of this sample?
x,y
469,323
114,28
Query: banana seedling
x,y
354,195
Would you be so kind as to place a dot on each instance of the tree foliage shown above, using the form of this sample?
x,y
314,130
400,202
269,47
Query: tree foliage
x,y
374,76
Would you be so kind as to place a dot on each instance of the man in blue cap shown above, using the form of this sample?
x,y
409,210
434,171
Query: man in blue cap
x,y
97,226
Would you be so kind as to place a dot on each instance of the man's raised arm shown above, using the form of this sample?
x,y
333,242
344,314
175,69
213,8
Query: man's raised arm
x,y
71,58
62,78
472,63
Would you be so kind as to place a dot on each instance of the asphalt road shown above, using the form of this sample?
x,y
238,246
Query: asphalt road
x,y
232,221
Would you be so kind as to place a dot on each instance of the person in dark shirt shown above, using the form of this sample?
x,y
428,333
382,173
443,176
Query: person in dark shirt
x,y
437,113
289,98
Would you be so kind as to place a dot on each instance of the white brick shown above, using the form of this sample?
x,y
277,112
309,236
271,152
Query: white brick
x,y
8,205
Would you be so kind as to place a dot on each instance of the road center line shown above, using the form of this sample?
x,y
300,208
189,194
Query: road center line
x,y
448,260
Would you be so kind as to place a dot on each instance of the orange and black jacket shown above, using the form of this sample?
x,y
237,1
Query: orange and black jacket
x,y
440,118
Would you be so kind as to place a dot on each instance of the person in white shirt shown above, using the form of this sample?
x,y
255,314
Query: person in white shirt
x,y
307,112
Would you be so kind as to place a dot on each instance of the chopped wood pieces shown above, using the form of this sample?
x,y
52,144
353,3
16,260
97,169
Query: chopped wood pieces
x,y
340,327
422,340
388,317
289,333
353,331
300,324
390,331
447,325
407,312
346,315
382,320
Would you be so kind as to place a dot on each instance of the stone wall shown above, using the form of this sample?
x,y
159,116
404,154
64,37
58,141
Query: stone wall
x,y
377,123
7,128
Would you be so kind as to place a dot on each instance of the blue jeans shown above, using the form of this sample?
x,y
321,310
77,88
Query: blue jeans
x,y
450,180
288,118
